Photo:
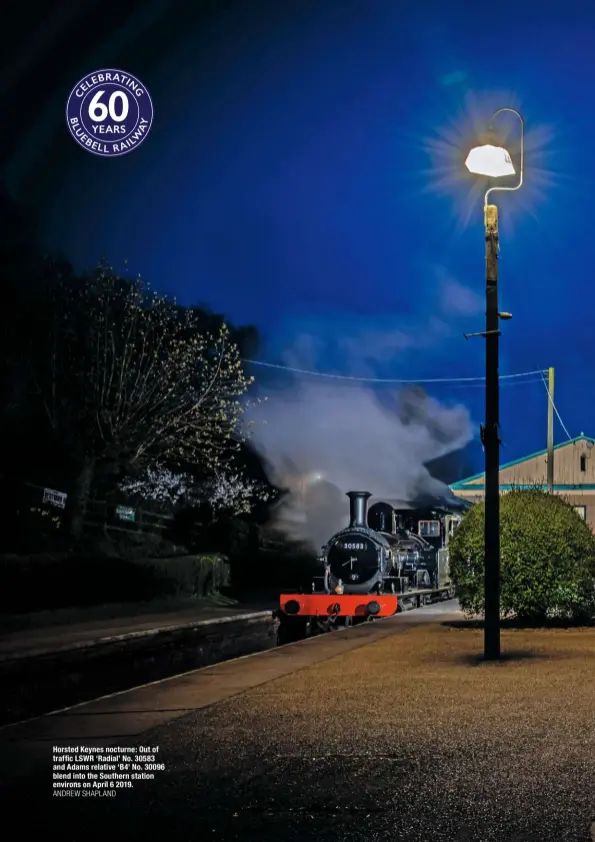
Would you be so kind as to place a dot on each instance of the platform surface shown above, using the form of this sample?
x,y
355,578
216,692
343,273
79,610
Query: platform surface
x,y
53,639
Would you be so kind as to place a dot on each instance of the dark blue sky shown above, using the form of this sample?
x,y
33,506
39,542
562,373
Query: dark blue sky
x,y
304,173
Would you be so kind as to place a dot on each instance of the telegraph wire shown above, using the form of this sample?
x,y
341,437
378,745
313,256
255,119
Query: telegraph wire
x,y
389,380
554,405
502,385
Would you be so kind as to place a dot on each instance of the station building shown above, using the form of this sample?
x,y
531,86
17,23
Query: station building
x,y
574,476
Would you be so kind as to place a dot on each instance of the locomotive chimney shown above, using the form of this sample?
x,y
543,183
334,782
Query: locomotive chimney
x,y
358,508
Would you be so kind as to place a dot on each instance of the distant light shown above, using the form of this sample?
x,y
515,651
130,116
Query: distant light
x,y
493,161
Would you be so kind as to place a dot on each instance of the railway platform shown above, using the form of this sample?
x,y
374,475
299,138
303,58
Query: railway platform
x,y
46,669
391,730
29,643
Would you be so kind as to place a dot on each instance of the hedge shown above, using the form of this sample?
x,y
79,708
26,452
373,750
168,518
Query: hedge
x,y
46,581
547,558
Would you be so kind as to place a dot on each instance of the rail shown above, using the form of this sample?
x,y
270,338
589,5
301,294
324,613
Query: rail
x,y
418,595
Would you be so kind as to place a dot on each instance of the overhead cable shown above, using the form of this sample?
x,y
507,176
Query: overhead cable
x,y
387,380
554,406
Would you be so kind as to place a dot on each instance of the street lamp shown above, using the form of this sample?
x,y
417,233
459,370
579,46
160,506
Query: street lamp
x,y
493,161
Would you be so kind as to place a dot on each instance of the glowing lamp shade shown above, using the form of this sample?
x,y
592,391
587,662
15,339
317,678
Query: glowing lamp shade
x,y
493,161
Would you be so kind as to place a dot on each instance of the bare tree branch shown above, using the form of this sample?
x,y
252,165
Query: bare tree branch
x,y
136,379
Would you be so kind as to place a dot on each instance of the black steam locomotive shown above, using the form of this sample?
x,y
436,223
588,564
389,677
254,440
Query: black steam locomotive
x,y
387,550
385,559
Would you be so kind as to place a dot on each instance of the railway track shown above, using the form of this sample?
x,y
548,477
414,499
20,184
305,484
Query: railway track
x,y
415,599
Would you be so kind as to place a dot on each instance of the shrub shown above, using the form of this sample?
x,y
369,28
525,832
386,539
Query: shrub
x,y
191,576
547,559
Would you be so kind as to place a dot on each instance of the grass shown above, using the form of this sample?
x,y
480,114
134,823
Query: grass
x,y
112,611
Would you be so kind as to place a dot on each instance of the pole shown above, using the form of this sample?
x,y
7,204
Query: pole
x,y
550,431
492,444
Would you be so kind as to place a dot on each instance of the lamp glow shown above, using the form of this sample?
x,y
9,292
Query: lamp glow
x,y
491,161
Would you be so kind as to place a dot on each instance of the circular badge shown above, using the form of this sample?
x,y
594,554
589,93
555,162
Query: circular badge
x,y
109,113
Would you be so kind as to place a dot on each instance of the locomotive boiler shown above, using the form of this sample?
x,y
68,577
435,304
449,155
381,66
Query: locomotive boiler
x,y
357,558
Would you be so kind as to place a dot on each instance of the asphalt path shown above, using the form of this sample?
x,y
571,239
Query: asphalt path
x,y
305,754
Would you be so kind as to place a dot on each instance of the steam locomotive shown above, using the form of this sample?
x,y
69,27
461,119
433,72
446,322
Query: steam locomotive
x,y
385,559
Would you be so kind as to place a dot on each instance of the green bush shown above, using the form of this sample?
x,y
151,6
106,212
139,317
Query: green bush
x,y
547,559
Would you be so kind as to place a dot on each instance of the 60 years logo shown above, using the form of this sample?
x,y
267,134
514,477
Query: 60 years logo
x,y
109,113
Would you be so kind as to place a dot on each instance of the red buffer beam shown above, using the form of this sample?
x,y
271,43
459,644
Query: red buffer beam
x,y
344,605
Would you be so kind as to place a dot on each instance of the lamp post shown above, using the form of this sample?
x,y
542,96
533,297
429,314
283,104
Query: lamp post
x,y
494,162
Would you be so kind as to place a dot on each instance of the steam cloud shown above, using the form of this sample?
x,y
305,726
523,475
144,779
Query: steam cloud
x,y
349,437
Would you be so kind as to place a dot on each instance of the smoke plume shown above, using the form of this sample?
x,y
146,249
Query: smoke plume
x,y
322,438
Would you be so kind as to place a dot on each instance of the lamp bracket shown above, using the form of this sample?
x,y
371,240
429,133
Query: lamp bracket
x,y
483,333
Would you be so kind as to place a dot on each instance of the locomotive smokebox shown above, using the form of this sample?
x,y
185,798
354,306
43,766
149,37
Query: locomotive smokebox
x,y
358,508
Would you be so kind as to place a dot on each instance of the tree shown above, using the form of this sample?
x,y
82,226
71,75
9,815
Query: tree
x,y
132,380
224,492
159,485
229,493
547,558
28,276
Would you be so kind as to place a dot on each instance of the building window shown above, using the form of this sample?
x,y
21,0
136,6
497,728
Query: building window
x,y
583,463
581,511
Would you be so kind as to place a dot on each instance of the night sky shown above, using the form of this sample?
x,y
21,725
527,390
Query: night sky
x,y
305,173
